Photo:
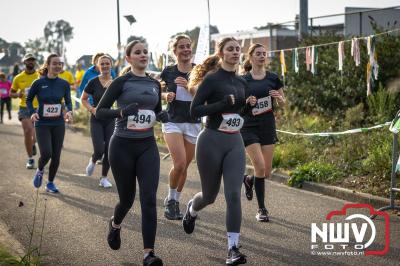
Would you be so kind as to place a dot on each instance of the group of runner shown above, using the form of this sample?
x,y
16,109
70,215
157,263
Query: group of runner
x,y
239,111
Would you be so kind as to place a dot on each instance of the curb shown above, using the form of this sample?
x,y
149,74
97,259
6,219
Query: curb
x,y
333,191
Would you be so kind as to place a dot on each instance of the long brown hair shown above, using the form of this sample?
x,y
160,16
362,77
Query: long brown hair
x,y
210,64
44,69
247,66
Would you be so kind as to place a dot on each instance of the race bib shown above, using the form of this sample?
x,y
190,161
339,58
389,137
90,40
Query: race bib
x,y
231,123
144,120
183,94
3,91
263,105
51,110
27,91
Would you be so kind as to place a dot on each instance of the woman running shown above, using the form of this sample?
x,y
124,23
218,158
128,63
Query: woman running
x,y
100,130
258,132
180,133
133,153
5,88
50,91
220,151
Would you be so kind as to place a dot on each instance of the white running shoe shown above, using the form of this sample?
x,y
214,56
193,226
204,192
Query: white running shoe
x,y
104,182
90,168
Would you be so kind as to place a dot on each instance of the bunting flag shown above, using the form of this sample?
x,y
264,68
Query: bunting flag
x,y
341,55
372,65
283,63
308,58
355,51
295,60
314,59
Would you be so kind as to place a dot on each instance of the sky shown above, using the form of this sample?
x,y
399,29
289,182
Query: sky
x,y
95,21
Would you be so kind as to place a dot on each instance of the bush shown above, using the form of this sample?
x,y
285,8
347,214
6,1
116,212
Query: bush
x,y
314,171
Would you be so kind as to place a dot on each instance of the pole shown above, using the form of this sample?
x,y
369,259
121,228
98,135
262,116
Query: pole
x,y
209,29
119,38
303,25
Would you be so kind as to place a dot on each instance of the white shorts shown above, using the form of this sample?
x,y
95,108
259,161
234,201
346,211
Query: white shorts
x,y
190,131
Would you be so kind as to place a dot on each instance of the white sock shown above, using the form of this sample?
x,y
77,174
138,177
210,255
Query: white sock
x,y
171,193
177,196
233,239
146,254
193,213
30,158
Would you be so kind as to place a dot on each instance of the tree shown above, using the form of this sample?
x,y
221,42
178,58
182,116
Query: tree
x,y
55,34
36,47
134,38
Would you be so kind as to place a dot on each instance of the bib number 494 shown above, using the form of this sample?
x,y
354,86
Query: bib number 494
x,y
144,120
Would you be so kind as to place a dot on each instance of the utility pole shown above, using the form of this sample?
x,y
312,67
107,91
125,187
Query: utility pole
x,y
303,25
119,39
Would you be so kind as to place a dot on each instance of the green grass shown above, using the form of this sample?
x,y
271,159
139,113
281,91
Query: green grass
x,y
7,259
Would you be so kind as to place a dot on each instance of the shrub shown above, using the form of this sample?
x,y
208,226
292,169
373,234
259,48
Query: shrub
x,y
314,171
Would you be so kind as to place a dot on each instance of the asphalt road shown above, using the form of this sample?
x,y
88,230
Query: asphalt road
x,y
76,219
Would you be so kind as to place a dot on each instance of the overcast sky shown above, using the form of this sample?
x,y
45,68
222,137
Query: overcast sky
x,y
95,21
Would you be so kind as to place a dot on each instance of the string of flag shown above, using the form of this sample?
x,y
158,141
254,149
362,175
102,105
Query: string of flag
x,y
311,56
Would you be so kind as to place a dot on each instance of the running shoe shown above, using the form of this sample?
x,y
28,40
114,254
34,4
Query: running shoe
x,y
34,150
178,214
248,186
104,182
152,260
113,238
37,179
235,257
50,187
90,168
169,210
188,221
262,215
30,164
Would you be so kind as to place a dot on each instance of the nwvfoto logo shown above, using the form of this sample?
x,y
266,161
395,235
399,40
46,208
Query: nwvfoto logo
x,y
334,235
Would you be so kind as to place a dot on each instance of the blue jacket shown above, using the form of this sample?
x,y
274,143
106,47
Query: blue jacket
x,y
49,93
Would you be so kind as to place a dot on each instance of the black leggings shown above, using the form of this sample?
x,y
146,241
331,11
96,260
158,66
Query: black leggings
x,y
101,131
7,102
131,159
50,140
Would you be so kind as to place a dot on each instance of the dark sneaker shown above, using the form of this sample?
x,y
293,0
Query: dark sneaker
x,y
30,164
235,257
188,220
152,260
113,238
37,179
178,214
169,211
248,186
262,215
34,150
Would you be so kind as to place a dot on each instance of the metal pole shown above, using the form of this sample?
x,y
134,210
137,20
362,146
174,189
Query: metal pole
x,y
119,38
209,28
303,25
394,162
360,23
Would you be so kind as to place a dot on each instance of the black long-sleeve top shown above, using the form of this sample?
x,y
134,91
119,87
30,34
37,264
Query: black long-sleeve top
x,y
211,98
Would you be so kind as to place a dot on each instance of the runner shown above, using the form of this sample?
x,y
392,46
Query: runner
x,y
100,130
133,150
181,132
5,87
78,80
19,89
258,132
50,90
220,150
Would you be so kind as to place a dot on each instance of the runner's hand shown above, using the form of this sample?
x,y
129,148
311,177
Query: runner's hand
x,y
252,100
170,96
229,99
181,82
163,117
35,117
131,109
68,117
